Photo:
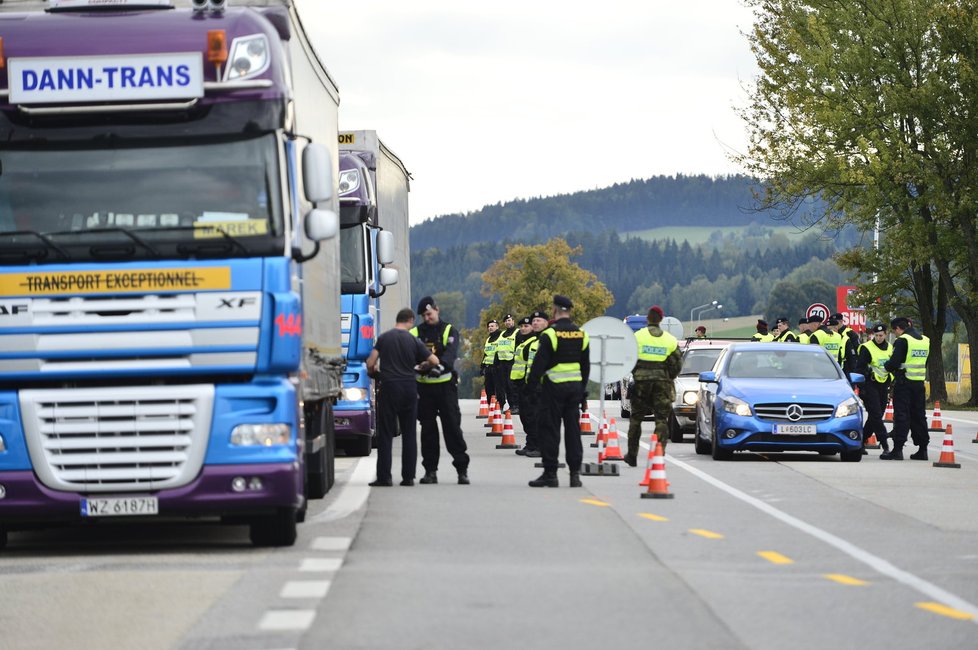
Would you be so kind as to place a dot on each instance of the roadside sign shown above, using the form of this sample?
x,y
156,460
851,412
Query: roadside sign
x,y
854,317
819,310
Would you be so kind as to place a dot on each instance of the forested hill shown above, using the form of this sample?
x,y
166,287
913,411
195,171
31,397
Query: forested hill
x,y
624,207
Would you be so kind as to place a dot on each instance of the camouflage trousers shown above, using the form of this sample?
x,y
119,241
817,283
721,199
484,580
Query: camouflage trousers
x,y
653,397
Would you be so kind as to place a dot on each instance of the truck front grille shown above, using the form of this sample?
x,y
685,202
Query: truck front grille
x,y
117,439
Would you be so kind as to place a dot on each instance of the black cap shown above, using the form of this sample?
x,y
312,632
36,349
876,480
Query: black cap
x,y
832,321
879,328
563,302
782,320
900,321
837,317
817,320
425,304
491,321
525,320
507,316
539,314
761,323
804,320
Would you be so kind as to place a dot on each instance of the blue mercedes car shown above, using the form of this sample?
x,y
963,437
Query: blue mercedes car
x,y
778,397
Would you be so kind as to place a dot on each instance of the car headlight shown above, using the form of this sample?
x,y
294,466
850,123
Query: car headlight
x,y
847,408
354,394
261,435
690,397
248,58
736,406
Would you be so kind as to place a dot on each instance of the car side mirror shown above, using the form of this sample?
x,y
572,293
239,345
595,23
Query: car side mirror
x,y
856,378
709,377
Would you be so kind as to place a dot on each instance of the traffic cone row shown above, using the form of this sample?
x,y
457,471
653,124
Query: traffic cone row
x,y
888,414
947,450
612,447
483,406
935,422
658,485
509,438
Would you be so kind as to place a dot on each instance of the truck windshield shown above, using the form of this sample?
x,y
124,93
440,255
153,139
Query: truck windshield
x,y
353,259
175,200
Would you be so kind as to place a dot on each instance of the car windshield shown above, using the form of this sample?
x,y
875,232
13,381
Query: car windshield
x,y
697,361
782,364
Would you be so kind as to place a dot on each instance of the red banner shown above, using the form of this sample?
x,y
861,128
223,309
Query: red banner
x,y
854,317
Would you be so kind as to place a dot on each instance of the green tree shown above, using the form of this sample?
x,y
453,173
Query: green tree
x,y
869,107
451,307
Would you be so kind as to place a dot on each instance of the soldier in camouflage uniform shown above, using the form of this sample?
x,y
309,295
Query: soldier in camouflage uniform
x,y
654,389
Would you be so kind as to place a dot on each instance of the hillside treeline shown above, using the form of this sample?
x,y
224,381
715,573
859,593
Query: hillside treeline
x,y
624,207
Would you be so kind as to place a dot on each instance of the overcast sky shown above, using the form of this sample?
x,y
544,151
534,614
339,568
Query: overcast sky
x,y
491,101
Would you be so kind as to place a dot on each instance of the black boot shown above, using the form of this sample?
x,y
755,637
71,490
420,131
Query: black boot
x,y
920,454
429,478
547,479
631,459
575,479
463,478
896,454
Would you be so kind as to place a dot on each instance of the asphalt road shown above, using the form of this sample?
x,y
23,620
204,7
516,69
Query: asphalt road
x,y
775,551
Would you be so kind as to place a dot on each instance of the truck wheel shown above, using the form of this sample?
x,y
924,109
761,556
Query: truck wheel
x,y
315,479
330,448
3,538
359,446
275,530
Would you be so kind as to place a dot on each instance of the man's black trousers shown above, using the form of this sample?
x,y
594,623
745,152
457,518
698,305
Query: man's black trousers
x,y
397,405
560,404
440,401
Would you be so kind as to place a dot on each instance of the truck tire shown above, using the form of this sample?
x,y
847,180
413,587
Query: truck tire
x,y
319,422
3,538
275,530
359,446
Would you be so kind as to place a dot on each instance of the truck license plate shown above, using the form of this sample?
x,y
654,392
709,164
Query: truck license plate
x,y
123,507
796,429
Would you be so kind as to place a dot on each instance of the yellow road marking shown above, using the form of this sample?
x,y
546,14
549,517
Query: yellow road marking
x,y
845,580
649,515
775,558
595,502
709,534
944,610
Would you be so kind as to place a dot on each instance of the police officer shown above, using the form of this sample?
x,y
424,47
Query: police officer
x,y
438,396
563,366
761,334
850,344
828,338
489,358
804,330
782,331
908,363
654,390
505,347
875,391
529,394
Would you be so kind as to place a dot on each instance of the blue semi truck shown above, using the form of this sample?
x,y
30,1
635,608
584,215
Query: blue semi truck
x,y
169,265
375,269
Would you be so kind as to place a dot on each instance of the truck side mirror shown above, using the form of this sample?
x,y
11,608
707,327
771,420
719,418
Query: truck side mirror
x,y
317,172
322,224
388,277
385,248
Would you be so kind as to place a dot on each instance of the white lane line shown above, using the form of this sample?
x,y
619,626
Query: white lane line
x,y
877,563
331,544
305,589
321,564
354,493
285,620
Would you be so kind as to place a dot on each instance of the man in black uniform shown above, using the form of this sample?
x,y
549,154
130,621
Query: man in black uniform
x,y
875,391
438,396
530,393
850,345
782,331
563,365
908,363
399,353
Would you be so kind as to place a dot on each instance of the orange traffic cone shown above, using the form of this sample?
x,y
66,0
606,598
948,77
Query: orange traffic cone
x,y
872,442
935,422
947,450
509,438
612,450
888,414
483,406
658,485
602,434
648,465
586,424
492,412
497,424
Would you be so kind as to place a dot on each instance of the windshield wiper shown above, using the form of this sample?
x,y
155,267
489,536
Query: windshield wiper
x,y
10,253
112,250
209,248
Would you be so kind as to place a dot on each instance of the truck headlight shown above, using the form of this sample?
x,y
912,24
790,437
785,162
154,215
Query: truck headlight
x,y
349,181
736,406
248,58
690,397
847,408
261,435
354,394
